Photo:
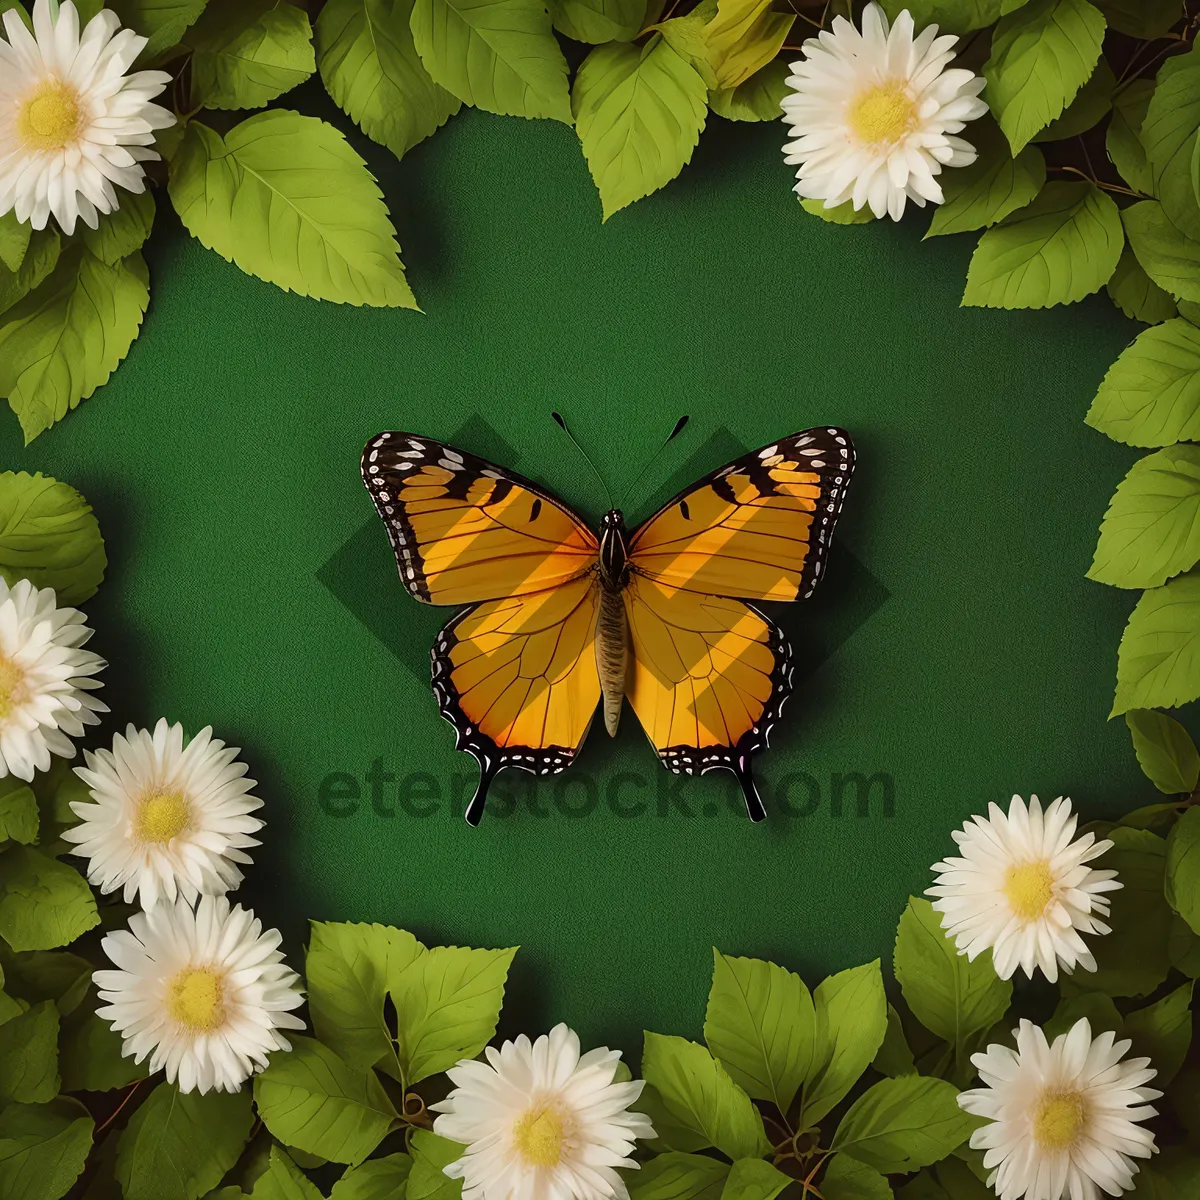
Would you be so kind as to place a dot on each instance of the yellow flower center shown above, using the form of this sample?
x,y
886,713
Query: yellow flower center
x,y
1058,1120
50,117
538,1134
196,999
162,815
14,689
883,114
1029,889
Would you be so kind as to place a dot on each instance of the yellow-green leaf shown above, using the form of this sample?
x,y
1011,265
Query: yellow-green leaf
x,y
1158,662
639,112
285,198
744,37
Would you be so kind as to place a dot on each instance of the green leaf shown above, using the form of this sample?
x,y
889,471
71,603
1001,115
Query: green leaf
x,y
56,975
1097,1009
1151,394
44,903
371,69
754,1179
761,1025
991,188
498,55
377,1179
1042,54
638,112
1090,106
1182,881
894,1057
688,37
1167,255
246,53
846,1178
164,22
1165,751
842,214
1168,135
1183,946
160,1156
447,1005
283,1180
349,969
1158,661
428,1180
599,21
285,198
1141,18
55,791
951,16
670,1132
851,1023
41,258
679,1177
755,100
18,807
63,340
949,995
49,535
1151,531
1136,294
43,1148
699,1094
29,1056
1123,139
1162,1032
903,1124
743,38
311,1099
14,240
1057,250
122,232
1133,960
91,1059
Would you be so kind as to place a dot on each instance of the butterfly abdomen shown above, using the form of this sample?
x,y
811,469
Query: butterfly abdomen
x,y
612,654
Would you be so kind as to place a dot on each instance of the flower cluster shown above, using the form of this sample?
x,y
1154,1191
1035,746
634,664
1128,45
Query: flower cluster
x,y
199,986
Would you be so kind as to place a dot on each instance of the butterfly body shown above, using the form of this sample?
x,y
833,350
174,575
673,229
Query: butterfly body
x,y
612,629
563,620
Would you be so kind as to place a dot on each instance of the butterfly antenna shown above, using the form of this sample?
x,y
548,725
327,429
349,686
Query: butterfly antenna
x,y
679,427
558,420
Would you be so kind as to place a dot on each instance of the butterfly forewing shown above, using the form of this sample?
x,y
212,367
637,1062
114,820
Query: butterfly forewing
x,y
758,528
465,530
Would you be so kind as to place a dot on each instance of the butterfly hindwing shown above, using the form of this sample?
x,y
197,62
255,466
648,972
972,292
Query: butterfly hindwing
x,y
758,528
708,678
517,679
464,530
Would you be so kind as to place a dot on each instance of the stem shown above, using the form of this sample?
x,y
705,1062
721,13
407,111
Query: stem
x,y
117,1111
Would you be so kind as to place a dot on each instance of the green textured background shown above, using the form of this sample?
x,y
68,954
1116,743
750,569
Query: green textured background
x,y
972,657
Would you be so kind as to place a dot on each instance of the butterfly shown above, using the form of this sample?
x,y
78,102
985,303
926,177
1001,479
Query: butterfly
x,y
563,621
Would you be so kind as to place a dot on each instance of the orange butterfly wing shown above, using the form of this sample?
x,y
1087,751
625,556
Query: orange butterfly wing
x,y
758,528
515,674
464,529
709,674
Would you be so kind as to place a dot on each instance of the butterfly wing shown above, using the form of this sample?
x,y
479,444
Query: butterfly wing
x,y
758,528
517,679
464,530
708,679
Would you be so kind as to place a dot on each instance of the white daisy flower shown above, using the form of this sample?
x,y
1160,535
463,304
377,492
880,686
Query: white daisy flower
x,y
1064,1117
1023,888
539,1120
73,125
45,679
874,114
167,819
204,993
